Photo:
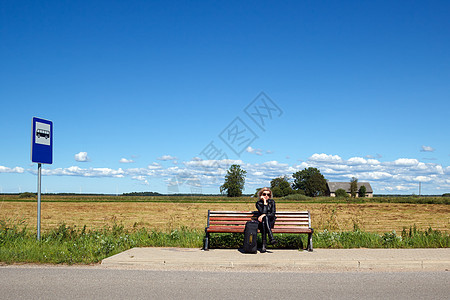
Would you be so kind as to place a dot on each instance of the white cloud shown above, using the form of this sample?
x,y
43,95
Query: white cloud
x,y
273,163
427,149
302,166
422,179
142,179
154,166
376,156
82,157
374,175
406,162
373,162
202,164
447,170
330,171
356,161
325,158
196,164
126,161
400,175
254,151
90,172
398,188
13,170
73,169
105,172
167,157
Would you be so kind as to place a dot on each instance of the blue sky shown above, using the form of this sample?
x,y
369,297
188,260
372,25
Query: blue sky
x,y
164,96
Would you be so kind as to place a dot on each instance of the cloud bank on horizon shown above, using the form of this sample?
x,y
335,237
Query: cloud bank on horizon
x,y
205,176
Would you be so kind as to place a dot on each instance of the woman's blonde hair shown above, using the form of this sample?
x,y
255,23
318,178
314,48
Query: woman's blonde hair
x,y
264,189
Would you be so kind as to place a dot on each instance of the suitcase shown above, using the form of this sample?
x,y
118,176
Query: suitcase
x,y
250,233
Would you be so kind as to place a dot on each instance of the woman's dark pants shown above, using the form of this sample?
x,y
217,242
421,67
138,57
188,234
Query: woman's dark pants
x,y
266,229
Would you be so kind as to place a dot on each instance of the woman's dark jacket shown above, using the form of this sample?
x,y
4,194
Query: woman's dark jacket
x,y
268,210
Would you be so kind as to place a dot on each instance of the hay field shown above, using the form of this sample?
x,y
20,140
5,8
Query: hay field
x,y
370,217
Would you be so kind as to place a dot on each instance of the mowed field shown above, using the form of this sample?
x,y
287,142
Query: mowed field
x,y
167,216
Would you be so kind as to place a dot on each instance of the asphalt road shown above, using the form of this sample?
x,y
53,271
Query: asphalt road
x,y
98,283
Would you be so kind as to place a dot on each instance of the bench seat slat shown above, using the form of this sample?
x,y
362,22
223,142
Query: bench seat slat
x,y
293,222
240,229
254,215
279,220
230,211
292,230
226,229
246,212
215,223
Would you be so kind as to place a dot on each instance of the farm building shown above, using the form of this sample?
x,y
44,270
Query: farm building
x,y
334,186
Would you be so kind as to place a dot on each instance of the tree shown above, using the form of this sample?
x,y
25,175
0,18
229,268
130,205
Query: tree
x,y
256,192
362,191
341,193
234,181
27,195
281,186
277,192
353,187
311,181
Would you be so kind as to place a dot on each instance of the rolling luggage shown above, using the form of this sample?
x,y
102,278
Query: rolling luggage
x,y
250,233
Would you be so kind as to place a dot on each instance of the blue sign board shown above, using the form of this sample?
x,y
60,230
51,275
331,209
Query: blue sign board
x,y
42,141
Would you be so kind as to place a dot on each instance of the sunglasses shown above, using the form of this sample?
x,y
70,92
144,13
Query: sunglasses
x,y
266,194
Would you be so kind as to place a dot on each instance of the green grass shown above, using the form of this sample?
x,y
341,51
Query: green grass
x,y
411,199
69,245
346,240
78,246
359,239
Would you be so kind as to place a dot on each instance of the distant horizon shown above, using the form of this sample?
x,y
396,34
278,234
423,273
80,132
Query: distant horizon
x,y
213,195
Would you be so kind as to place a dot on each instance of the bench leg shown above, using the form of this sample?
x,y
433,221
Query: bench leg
x,y
310,243
206,242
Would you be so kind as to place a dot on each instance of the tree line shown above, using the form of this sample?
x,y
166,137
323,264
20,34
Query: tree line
x,y
309,182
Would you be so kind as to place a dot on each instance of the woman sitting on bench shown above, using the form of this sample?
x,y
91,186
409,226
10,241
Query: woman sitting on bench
x,y
266,216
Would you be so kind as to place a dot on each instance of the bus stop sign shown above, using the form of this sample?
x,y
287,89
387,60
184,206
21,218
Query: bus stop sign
x,y
42,141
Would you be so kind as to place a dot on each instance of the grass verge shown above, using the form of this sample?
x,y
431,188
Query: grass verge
x,y
71,245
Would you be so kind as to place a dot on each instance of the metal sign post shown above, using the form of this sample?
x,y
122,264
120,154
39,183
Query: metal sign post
x,y
39,203
41,153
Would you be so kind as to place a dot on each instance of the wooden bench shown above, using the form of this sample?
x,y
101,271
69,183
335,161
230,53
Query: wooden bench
x,y
234,222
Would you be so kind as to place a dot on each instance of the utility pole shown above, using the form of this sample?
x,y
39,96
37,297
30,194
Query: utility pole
x,y
420,187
